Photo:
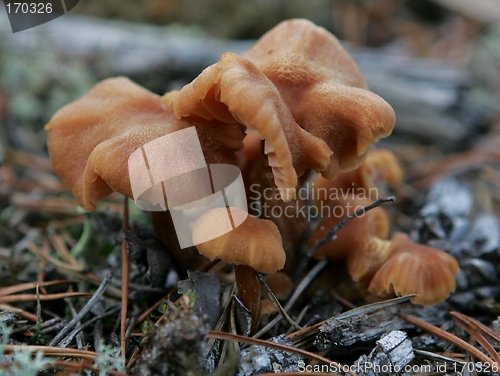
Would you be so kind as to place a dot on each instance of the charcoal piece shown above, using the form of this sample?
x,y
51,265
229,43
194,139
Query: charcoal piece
x,y
144,249
260,359
176,347
425,342
436,226
369,327
463,300
484,236
321,307
488,292
449,197
10,318
158,266
496,325
136,248
243,317
460,229
207,289
107,224
389,357
441,244
479,272
461,281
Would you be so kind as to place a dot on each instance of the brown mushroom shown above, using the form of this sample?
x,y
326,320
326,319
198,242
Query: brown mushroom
x,y
255,245
327,96
379,170
90,140
235,91
415,269
386,267
324,90
380,266
359,243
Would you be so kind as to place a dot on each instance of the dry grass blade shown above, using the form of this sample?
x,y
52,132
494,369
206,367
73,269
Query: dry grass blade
x,y
330,235
439,358
24,314
56,351
488,331
51,205
339,298
61,248
424,174
31,285
438,332
34,297
96,296
71,367
298,291
30,160
276,346
276,302
470,325
63,266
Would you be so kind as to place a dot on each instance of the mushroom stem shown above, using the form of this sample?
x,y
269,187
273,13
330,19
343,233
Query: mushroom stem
x,y
249,292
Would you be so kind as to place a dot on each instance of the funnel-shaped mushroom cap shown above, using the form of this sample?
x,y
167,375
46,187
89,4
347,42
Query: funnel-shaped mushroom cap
x,y
324,90
235,91
90,140
416,269
255,243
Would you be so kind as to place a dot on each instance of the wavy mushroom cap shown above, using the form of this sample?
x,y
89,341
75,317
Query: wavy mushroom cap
x,y
90,140
324,90
234,91
415,269
255,243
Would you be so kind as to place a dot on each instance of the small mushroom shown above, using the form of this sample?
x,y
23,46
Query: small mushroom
x,y
380,266
234,91
90,140
379,170
255,245
414,268
324,90
386,267
359,243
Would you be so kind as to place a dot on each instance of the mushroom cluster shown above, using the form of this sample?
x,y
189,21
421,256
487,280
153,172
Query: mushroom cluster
x,y
293,104
380,265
